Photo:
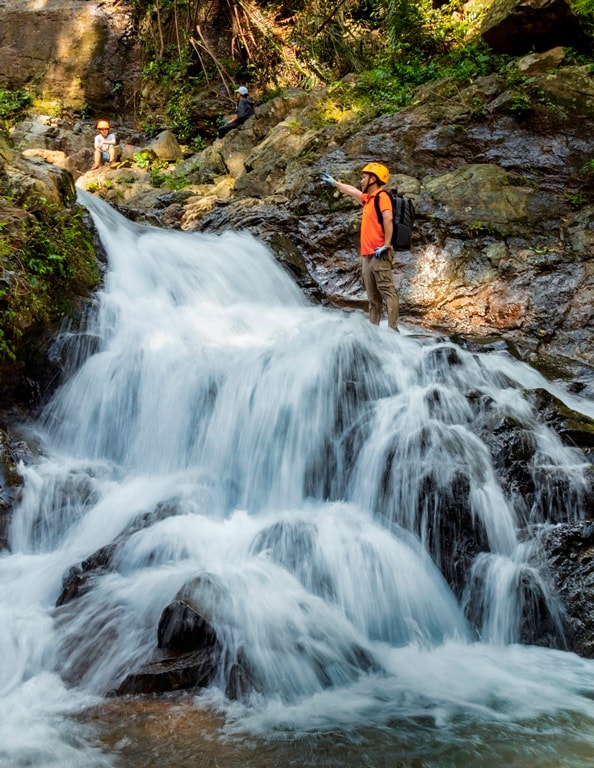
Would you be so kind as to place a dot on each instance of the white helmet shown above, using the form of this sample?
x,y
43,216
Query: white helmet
x,y
242,90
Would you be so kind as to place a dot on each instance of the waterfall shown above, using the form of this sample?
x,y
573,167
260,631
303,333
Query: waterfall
x,y
327,492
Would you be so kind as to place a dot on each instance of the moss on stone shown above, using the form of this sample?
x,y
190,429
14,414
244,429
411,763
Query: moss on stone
x,y
47,263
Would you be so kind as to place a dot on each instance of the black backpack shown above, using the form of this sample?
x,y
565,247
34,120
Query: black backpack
x,y
404,218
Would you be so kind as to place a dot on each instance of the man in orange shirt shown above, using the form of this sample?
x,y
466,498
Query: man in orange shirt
x,y
376,240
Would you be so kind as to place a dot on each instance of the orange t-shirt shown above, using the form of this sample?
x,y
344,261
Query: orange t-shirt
x,y
372,232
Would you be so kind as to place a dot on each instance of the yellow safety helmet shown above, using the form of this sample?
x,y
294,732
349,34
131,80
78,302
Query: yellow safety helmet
x,y
102,124
379,170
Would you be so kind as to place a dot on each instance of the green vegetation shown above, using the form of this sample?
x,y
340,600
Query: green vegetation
x,y
584,7
577,200
525,92
148,162
170,74
47,261
14,104
142,159
392,46
478,229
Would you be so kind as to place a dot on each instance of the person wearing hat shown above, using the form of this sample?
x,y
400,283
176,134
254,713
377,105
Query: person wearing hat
x,y
104,145
376,240
243,110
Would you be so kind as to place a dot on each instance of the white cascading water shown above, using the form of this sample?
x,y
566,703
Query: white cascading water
x,y
302,457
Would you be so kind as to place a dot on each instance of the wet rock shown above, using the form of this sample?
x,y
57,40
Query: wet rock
x,y
513,448
174,673
189,654
537,611
539,493
541,622
11,480
182,628
292,544
574,428
80,578
239,682
454,537
569,551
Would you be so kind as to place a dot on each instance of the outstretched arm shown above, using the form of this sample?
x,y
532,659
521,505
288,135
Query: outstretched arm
x,y
346,189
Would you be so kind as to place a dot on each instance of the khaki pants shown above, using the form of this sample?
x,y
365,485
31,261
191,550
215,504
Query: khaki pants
x,y
379,284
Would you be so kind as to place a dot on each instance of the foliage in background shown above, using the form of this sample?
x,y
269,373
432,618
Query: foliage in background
x,y
583,7
393,45
47,261
14,104
198,44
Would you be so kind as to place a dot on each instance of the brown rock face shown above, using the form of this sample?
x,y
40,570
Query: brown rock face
x,y
74,51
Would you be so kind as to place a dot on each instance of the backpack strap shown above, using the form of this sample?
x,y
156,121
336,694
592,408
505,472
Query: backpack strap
x,y
376,203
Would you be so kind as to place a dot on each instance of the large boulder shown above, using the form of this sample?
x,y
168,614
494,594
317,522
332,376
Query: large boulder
x,y
33,178
188,651
73,51
521,26
165,147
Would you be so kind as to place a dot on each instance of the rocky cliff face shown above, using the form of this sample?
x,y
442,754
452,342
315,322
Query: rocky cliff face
x,y
501,176
74,52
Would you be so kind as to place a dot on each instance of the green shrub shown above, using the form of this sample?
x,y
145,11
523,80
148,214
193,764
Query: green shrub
x,y
14,104
47,263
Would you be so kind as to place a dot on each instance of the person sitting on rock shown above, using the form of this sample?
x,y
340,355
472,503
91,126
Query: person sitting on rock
x,y
104,145
243,110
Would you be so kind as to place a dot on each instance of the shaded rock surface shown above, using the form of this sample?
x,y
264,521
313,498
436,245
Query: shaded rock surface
x,y
570,553
12,451
520,26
